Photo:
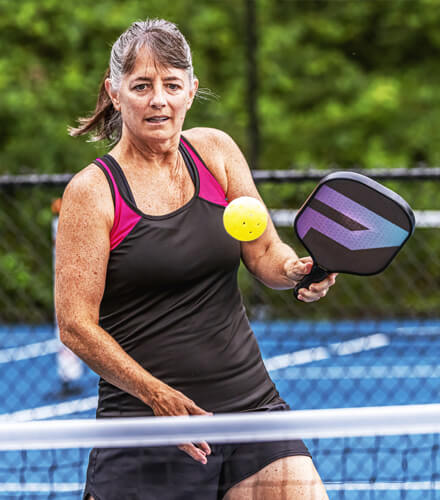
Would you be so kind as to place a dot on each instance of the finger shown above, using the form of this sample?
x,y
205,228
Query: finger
x,y
305,297
193,409
323,285
306,260
303,266
332,277
296,269
204,446
195,453
319,288
317,291
312,294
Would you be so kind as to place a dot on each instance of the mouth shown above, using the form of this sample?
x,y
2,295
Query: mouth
x,y
157,119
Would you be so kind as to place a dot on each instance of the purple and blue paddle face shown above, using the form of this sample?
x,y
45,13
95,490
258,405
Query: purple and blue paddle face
x,y
352,224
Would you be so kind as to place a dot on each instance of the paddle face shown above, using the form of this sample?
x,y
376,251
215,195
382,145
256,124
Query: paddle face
x,y
352,224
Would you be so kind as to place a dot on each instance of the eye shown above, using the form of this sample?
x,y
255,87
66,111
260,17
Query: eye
x,y
140,87
173,86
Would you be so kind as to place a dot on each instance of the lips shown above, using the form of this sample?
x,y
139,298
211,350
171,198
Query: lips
x,y
157,119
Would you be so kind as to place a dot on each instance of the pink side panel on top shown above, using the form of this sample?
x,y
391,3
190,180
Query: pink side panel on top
x,y
125,218
210,189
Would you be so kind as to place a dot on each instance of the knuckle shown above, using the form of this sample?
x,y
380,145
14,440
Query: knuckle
x,y
186,448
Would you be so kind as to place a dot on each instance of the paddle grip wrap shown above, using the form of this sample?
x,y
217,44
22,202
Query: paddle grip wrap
x,y
316,275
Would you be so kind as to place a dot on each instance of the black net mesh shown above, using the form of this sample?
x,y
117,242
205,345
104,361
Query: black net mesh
x,y
372,341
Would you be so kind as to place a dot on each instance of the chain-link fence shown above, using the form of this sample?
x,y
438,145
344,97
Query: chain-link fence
x,y
371,341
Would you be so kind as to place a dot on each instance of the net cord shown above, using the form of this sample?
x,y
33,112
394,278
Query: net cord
x,y
224,428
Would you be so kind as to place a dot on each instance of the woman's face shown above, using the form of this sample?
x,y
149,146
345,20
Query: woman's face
x,y
153,100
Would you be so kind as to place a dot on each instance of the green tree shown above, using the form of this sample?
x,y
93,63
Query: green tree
x,y
348,83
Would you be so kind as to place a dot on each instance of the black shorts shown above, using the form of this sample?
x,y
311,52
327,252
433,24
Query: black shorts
x,y
167,473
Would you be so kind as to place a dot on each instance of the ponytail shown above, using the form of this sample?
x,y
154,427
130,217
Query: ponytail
x,y
104,123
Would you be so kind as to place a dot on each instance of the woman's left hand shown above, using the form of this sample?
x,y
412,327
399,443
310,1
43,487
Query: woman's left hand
x,y
296,269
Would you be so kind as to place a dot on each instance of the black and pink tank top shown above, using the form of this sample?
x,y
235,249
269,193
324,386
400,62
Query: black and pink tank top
x,y
172,302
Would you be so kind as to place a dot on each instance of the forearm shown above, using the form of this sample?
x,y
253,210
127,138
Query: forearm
x,y
269,266
107,358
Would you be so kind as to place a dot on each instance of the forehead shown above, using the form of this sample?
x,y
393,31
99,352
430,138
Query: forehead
x,y
148,65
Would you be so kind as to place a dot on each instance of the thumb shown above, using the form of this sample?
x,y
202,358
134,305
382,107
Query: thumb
x,y
296,269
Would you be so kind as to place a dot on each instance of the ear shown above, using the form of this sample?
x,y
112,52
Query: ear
x,y
113,94
192,93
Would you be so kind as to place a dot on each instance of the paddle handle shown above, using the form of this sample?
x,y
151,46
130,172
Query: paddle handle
x,y
316,275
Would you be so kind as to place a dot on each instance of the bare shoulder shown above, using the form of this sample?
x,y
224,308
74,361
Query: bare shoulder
x,y
89,192
222,148
216,148
89,180
213,141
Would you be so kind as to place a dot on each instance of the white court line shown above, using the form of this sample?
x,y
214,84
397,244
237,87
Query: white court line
x,y
319,353
383,486
51,411
40,487
423,330
362,372
29,351
379,486
35,350
52,346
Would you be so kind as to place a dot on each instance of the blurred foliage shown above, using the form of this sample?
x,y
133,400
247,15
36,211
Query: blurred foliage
x,y
351,83
55,55
347,83
26,292
340,82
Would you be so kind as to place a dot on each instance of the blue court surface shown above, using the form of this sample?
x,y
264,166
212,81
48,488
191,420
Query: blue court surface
x,y
314,365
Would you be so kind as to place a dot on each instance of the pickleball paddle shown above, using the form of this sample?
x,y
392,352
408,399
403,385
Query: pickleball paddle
x,y
352,224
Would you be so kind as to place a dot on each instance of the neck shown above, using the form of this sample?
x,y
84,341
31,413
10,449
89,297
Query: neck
x,y
154,153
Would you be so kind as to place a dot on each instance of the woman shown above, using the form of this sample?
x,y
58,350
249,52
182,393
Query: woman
x,y
146,284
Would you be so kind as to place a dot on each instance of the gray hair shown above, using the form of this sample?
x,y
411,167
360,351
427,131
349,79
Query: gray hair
x,y
169,48
163,38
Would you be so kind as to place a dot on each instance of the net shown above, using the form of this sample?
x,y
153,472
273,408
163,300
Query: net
x,y
380,452
373,341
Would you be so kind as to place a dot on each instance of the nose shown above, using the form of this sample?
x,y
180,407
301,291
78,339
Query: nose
x,y
158,97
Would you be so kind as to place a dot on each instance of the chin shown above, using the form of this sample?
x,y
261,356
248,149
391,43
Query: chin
x,y
160,135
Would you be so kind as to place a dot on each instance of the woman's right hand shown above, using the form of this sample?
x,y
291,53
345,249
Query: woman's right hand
x,y
166,401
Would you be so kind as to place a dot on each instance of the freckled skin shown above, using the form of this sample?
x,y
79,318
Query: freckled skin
x,y
290,478
148,154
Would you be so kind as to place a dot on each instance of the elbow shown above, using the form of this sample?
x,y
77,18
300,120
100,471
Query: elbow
x,y
257,261
67,337
70,333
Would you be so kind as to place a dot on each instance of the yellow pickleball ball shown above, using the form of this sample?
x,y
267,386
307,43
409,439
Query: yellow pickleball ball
x,y
245,218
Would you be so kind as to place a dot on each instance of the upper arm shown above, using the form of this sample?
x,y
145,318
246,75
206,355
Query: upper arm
x,y
225,160
82,248
240,183
228,165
